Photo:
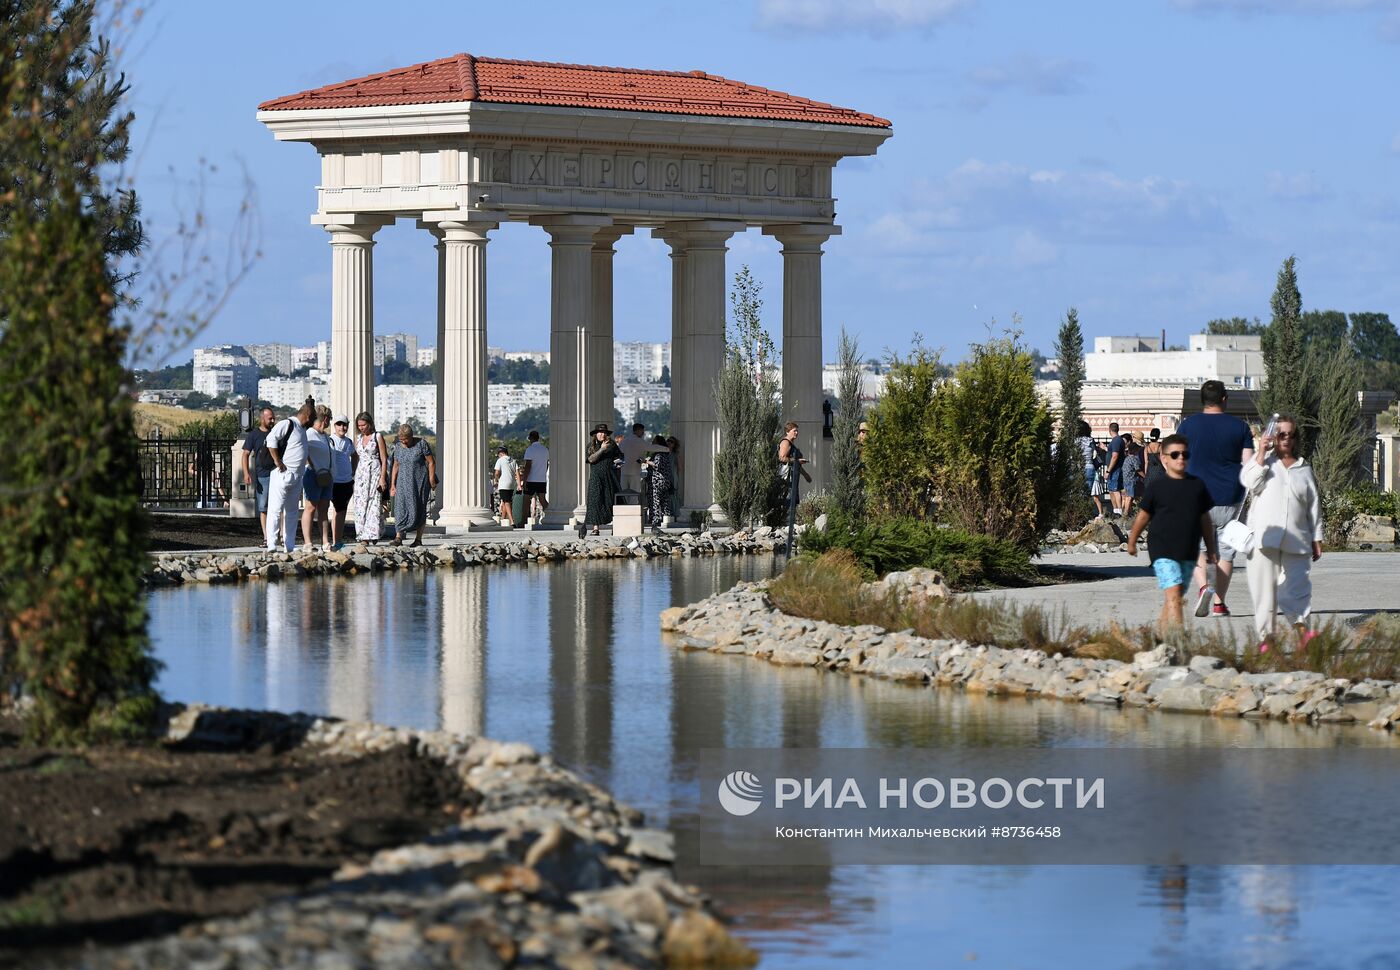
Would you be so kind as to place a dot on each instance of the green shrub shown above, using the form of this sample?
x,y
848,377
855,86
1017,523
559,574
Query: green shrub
x,y
898,451
811,506
885,546
991,433
72,608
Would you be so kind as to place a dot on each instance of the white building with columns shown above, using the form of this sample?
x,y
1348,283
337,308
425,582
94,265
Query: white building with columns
x,y
588,154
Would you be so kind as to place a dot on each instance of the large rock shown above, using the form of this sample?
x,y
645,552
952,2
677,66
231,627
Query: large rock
x,y
1099,531
1375,529
919,583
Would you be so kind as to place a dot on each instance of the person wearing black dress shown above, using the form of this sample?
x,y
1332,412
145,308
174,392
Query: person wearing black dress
x,y
602,451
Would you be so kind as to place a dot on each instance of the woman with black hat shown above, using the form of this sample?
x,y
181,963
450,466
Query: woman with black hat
x,y
602,484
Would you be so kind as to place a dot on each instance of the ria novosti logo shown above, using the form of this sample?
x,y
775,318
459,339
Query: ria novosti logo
x,y
740,793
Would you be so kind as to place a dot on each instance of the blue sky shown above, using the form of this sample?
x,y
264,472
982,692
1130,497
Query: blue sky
x,y
1150,162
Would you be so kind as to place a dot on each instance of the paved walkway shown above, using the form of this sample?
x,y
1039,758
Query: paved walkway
x,y
1346,586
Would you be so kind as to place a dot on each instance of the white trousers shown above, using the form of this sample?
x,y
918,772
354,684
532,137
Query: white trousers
x,y
283,494
1279,582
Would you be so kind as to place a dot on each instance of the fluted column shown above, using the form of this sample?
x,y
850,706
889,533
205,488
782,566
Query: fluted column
x,y
570,312
352,313
441,249
674,237
802,340
600,333
703,358
462,458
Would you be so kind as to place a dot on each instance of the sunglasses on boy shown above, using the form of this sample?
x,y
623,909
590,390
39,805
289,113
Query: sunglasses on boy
x,y
1180,455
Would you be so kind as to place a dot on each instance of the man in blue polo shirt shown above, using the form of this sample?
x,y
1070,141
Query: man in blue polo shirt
x,y
1220,445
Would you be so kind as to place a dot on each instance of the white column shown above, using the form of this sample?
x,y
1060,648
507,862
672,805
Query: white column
x,y
570,310
600,334
462,459
802,340
441,249
674,237
352,312
705,289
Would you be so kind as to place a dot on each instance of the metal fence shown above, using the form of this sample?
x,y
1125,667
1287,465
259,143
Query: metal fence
x,y
191,472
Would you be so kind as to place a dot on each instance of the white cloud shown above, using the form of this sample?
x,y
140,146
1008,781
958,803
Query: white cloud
x,y
1085,207
1249,7
1028,250
876,16
1029,74
1306,187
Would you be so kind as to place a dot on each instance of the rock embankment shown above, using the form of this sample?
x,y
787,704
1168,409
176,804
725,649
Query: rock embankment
x,y
542,869
175,569
744,621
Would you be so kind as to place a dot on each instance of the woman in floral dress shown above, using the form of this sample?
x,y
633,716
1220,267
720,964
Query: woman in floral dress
x,y
371,483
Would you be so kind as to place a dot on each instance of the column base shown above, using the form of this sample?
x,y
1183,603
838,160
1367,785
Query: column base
x,y
562,518
467,520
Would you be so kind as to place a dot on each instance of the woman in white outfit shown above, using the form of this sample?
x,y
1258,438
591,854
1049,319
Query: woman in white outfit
x,y
1286,516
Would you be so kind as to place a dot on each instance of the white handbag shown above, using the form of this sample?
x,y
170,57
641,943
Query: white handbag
x,y
1236,534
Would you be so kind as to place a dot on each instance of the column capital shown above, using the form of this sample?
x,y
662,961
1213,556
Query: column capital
x,y
606,238
803,237
457,226
708,233
571,229
351,228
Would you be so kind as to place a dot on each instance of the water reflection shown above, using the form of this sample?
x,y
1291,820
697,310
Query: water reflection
x,y
569,659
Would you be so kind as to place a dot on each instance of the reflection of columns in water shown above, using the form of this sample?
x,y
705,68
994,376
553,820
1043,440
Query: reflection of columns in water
x,y
356,631
282,638
581,616
462,649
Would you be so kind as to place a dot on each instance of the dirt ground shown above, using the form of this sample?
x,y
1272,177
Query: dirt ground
x,y
175,532
120,843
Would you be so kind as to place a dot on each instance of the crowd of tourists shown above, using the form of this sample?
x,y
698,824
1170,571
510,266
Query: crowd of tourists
x,y
1206,495
311,459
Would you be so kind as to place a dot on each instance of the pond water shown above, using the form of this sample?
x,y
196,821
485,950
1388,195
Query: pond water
x,y
569,658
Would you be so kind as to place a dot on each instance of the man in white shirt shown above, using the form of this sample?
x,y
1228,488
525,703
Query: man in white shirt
x,y
503,478
536,475
634,447
286,443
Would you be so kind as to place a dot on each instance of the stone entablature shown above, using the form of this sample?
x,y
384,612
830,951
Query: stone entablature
x,y
526,179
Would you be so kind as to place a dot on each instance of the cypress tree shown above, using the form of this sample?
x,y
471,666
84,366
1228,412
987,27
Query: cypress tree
x,y
847,489
1069,348
72,608
746,483
1284,351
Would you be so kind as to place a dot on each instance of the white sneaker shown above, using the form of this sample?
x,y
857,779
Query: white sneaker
x,y
1203,600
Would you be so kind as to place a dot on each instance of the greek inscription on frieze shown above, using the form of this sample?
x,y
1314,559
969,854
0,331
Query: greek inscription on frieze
x,y
536,164
500,166
707,177
673,175
804,181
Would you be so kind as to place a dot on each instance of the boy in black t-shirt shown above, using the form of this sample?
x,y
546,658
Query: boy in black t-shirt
x,y
1179,507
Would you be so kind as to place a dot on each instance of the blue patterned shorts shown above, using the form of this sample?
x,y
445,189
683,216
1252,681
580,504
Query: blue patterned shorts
x,y
1172,572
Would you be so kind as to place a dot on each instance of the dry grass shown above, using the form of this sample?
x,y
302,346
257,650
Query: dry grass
x,y
829,588
168,418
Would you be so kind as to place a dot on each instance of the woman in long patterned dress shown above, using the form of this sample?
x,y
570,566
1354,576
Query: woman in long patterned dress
x,y
602,481
414,478
371,480
661,483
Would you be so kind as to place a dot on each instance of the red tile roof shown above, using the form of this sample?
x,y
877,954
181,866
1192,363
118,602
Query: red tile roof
x,y
463,77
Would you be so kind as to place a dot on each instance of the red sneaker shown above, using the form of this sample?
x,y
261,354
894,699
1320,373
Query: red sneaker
x,y
1306,639
1264,647
1220,609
